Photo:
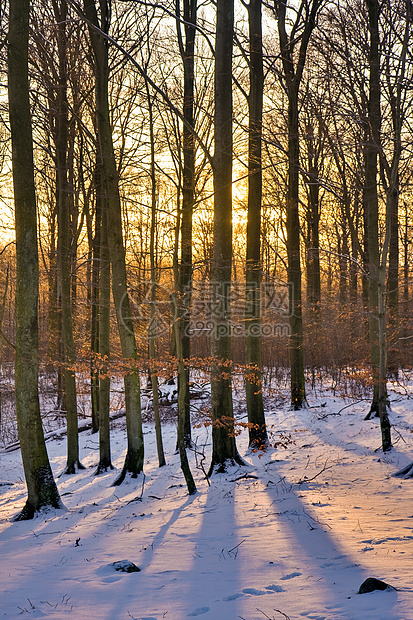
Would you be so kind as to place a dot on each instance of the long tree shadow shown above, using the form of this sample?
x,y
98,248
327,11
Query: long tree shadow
x,y
323,576
79,558
213,580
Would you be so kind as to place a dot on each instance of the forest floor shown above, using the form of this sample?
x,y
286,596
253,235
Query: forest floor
x,y
292,535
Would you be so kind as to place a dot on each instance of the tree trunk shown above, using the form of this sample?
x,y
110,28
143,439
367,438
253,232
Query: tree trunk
x,y
292,77
224,450
152,321
370,194
255,406
105,461
293,253
2,311
393,284
41,487
181,445
313,225
94,297
64,246
135,450
187,50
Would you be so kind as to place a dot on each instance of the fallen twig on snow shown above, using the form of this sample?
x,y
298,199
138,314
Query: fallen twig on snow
x,y
139,497
245,477
325,415
305,479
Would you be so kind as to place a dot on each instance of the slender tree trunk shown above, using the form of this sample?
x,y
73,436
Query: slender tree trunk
x,y
293,253
41,487
313,225
255,405
313,246
224,450
377,261
393,284
94,298
2,311
371,153
406,273
105,461
381,304
135,450
181,444
54,343
366,269
178,306
152,322
64,246
292,76
343,252
353,265
187,50
52,326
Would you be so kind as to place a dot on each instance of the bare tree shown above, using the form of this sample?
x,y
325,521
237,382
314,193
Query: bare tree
x,y
224,450
64,246
293,47
135,453
255,405
41,487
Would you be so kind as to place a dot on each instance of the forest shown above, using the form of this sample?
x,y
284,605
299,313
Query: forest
x,y
199,193
206,331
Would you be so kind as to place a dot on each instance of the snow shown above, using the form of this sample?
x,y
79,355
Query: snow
x,y
294,538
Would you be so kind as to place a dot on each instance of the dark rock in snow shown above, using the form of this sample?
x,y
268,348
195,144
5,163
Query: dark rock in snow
x,y
371,584
125,566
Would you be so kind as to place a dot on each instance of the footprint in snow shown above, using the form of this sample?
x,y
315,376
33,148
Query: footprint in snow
x,y
274,588
254,592
199,611
233,597
290,576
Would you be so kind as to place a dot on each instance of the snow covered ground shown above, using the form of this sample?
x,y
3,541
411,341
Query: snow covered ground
x,y
293,539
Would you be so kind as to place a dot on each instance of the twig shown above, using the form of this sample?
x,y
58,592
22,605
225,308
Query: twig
x,y
302,480
245,477
139,498
200,463
399,434
236,546
325,415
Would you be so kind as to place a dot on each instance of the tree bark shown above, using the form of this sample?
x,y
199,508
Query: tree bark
x,y
370,194
41,487
313,226
135,451
393,284
224,450
377,264
64,251
2,310
95,287
152,321
292,77
105,461
255,406
187,50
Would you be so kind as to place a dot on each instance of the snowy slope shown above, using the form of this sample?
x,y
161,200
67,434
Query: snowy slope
x,y
294,539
